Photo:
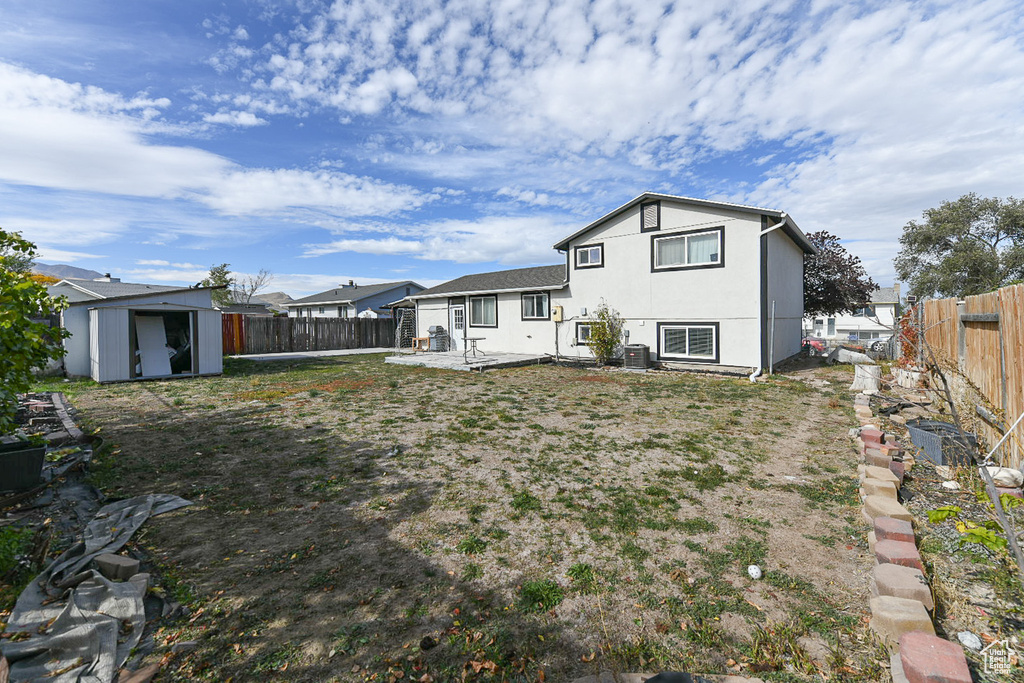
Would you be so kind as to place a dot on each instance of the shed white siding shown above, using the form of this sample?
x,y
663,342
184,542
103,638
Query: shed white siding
x,y
100,345
109,349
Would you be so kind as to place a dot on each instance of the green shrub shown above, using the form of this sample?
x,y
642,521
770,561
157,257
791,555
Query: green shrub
x,y
539,596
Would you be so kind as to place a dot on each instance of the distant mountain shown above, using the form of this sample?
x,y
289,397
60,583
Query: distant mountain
x,y
62,271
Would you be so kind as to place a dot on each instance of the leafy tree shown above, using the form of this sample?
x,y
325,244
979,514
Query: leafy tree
x,y
968,246
834,279
605,333
219,275
26,343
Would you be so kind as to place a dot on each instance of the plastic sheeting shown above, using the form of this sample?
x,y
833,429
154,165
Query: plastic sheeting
x,y
85,634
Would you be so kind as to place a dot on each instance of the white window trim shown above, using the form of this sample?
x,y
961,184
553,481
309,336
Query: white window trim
x,y
719,233
590,248
688,356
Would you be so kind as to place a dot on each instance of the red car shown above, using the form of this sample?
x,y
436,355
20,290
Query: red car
x,y
815,346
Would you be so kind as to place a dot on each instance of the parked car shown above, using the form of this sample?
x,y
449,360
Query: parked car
x,y
815,346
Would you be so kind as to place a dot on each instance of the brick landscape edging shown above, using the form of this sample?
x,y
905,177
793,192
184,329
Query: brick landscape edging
x,y
901,597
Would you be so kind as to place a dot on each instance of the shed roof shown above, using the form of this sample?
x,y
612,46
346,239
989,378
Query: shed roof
x,y
537,277
77,290
348,293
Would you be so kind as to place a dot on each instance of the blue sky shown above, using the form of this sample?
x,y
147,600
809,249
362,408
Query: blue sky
x,y
417,139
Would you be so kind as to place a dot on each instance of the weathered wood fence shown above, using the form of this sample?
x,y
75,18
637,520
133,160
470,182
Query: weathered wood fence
x,y
982,337
263,334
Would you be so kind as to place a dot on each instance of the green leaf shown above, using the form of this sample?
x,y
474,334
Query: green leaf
x,y
943,513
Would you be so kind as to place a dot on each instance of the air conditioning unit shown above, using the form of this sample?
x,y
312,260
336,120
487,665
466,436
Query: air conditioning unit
x,y
636,357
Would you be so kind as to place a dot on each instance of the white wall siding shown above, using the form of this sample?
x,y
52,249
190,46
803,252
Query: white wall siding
x,y
209,343
109,345
785,288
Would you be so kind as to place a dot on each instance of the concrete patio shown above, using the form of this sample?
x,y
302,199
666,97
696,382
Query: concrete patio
x,y
456,360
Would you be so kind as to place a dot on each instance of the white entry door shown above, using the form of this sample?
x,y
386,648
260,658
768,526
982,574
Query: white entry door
x,y
457,326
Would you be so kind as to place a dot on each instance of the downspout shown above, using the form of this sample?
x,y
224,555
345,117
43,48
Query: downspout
x,y
754,375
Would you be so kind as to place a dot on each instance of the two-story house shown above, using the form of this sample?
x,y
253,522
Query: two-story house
x,y
348,301
697,281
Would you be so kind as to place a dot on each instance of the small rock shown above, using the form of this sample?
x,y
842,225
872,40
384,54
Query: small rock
x,y
969,640
1006,477
185,645
951,485
943,471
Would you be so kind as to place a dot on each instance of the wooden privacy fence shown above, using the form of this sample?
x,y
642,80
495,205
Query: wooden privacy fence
x,y
983,338
261,334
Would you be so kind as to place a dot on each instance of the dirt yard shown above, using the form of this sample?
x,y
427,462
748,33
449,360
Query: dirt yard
x,y
360,521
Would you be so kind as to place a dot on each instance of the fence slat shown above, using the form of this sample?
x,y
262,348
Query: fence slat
x,y
259,334
993,354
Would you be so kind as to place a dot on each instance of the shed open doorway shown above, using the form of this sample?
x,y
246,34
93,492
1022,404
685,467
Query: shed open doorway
x,y
162,343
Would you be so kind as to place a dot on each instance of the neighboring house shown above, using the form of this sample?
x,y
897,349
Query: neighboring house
x,y
697,281
124,331
352,300
871,325
256,305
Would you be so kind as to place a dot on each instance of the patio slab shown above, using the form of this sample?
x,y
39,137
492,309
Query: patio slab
x,y
454,360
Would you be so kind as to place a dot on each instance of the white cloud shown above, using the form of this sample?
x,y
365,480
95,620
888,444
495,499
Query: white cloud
x,y
66,136
510,240
242,119
49,254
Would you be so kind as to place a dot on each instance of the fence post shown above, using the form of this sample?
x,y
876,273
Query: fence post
x,y
961,335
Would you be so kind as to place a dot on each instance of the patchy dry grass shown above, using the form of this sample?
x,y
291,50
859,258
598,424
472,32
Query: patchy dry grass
x,y
361,521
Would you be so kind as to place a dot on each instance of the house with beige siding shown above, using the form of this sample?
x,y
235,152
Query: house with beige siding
x,y
697,281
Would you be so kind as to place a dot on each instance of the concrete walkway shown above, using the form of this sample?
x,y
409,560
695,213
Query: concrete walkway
x,y
454,360
313,354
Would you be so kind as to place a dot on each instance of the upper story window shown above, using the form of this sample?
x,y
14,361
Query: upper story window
x,y
590,256
535,306
696,249
483,311
650,216
867,312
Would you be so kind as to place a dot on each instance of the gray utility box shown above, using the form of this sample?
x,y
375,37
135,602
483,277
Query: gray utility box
x,y
438,338
636,357
941,442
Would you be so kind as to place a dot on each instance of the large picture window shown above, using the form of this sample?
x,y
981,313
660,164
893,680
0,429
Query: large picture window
x,y
590,256
698,249
535,306
688,341
483,311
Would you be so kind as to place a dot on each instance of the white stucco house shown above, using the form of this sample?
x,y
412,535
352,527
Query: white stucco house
x,y
871,325
352,300
697,281
126,331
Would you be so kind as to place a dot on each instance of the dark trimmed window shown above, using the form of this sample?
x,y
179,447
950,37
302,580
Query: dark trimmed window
x,y
590,256
583,334
535,306
692,249
688,341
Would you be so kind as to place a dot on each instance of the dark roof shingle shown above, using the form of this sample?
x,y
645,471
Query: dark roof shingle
x,y
537,277
348,293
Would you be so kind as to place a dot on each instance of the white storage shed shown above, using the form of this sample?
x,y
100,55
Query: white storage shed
x,y
123,331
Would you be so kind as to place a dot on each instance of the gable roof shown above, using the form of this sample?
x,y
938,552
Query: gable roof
x,y
349,293
90,290
787,224
519,279
886,295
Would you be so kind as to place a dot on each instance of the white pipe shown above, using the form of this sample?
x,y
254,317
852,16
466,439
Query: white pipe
x,y
754,375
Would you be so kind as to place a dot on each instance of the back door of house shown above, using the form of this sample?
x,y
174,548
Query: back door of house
x,y
457,326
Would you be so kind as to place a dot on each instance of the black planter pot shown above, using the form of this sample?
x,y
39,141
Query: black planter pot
x,y
21,469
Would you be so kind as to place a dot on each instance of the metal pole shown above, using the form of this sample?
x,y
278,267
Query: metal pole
x,y
771,342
